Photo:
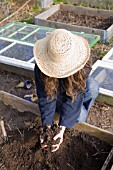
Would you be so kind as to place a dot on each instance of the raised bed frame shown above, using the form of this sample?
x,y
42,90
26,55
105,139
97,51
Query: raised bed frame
x,y
46,3
104,94
96,3
105,35
108,164
23,105
8,37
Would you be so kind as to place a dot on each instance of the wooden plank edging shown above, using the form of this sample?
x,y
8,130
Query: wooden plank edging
x,y
41,19
109,161
18,103
24,105
95,131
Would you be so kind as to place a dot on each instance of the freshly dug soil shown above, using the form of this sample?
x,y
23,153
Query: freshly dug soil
x,y
9,81
23,151
47,134
13,118
101,115
82,20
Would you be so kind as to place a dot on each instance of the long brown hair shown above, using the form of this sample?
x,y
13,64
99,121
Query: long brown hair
x,y
73,83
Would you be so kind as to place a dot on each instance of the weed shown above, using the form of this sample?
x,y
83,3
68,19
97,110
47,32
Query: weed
x,y
58,1
36,8
28,20
102,54
111,40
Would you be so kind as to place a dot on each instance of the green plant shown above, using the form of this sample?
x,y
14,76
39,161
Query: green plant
x,y
36,8
111,7
28,20
57,1
111,40
67,2
102,54
83,4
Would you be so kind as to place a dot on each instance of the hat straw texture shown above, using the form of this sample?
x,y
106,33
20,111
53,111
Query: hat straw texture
x,y
61,53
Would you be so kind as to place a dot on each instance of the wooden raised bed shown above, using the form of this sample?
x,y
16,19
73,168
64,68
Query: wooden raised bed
x,y
96,3
108,164
22,105
105,34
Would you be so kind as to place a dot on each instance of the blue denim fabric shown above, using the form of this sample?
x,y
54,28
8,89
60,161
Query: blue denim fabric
x,y
89,96
70,112
90,93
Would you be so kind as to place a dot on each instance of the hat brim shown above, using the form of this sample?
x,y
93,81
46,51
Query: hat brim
x,y
60,70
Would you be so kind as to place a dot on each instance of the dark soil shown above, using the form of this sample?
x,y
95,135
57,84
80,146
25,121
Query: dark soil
x,y
82,20
99,51
101,115
14,119
23,151
47,134
9,81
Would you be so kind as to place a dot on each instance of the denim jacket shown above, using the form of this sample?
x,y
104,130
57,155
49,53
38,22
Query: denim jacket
x,y
69,111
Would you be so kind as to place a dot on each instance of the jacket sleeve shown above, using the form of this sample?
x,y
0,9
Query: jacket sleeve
x,y
70,111
46,105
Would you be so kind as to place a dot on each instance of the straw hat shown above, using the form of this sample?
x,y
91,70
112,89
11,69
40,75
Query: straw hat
x,y
61,53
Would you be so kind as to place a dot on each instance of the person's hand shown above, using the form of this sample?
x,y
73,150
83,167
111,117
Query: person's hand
x,y
43,135
58,136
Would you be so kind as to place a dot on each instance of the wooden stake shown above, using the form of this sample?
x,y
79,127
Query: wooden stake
x,y
3,129
109,161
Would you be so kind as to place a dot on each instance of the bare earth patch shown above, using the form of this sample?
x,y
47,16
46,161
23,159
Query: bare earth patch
x,y
82,20
23,150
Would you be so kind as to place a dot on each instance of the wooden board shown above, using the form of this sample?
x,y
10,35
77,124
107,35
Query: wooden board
x,y
111,168
95,131
17,70
96,3
86,10
41,19
18,103
109,162
23,105
105,99
91,130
